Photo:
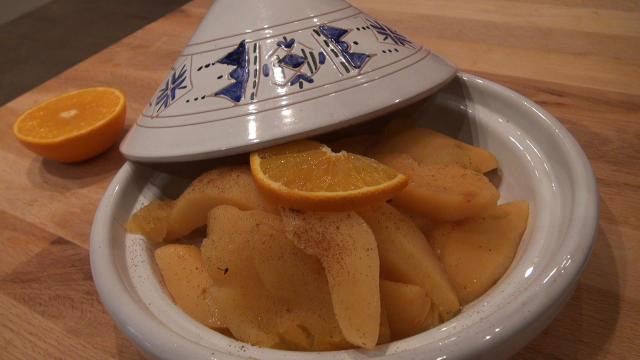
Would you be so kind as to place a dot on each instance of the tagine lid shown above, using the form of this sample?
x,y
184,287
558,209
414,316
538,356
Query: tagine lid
x,y
261,72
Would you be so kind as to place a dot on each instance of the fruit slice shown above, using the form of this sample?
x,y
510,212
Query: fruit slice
x,y
232,185
429,147
407,306
286,270
406,256
170,220
75,126
308,175
272,292
250,314
432,319
255,316
227,249
347,250
295,337
188,282
477,251
443,192
151,220
298,281
385,331
246,307
423,223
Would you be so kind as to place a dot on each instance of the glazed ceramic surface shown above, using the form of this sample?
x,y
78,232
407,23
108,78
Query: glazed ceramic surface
x,y
539,162
257,73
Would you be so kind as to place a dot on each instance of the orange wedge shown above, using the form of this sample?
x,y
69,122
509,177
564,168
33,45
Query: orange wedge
x,y
307,175
75,126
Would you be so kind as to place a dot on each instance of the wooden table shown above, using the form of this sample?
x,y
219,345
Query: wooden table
x,y
580,59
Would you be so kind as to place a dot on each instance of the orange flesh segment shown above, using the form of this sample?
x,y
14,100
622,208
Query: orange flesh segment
x,y
69,115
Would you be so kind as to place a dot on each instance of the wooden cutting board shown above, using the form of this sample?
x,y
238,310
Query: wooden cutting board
x,y
580,59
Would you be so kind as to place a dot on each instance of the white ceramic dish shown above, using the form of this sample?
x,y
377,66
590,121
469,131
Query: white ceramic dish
x,y
261,72
539,160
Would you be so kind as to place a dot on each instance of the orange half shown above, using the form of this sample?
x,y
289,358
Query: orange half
x,y
75,126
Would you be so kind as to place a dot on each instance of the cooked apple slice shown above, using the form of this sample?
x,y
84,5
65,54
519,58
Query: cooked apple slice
x,y
151,220
406,256
347,250
298,279
245,305
222,186
385,331
442,192
258,317
406,305
286,270
476,252
429,147
226,251
170,220
295,337
188,282
422,222
298,337
432,319
250,314
283,287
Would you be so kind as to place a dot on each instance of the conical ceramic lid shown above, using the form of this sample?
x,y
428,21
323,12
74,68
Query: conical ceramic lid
x,y
261,72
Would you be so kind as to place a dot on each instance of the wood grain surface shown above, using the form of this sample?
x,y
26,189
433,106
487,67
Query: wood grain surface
x,y
580,59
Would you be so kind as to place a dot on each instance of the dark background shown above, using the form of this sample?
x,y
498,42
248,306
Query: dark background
x,y
50,39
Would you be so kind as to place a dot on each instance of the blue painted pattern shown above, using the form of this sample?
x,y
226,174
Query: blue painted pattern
x,y
388,33
301,77
322,58
260,69
286,44
293,61
168,92
239,57
335,34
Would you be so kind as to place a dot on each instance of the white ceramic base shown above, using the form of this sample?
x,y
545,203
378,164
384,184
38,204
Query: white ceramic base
x,y
539,161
